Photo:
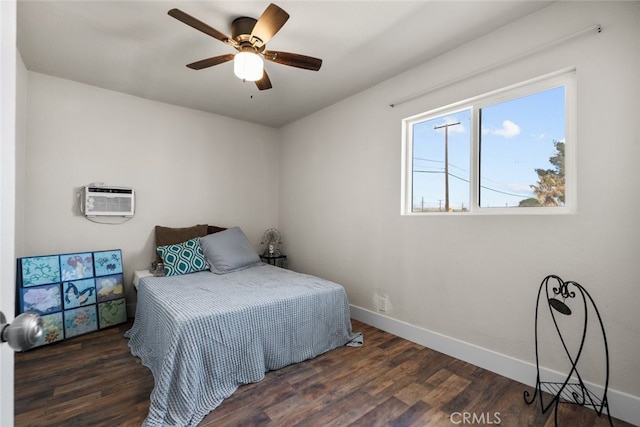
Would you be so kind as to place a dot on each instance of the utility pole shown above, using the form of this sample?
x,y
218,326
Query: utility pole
x,y
446,162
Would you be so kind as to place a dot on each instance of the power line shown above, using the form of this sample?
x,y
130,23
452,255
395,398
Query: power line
x,y
463,170
521,196
441,161
504,192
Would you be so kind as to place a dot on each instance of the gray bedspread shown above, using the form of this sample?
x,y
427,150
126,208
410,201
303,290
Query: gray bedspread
x,y
203,335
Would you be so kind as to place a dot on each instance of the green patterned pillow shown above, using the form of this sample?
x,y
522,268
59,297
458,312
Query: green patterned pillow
x,y
183,258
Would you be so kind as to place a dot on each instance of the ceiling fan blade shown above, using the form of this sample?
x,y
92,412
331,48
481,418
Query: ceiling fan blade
x,y
269,23
264,83
198,25
293,59
210,62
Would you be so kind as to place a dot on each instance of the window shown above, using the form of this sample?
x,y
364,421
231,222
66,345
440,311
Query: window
x,y
504,152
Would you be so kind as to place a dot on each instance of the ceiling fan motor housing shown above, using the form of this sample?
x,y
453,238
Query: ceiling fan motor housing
x,y
241,30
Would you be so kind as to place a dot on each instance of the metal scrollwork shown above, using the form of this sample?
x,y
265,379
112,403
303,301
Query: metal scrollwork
x,y
573,389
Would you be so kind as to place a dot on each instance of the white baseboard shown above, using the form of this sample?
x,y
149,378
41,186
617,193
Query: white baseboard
x,y
622,405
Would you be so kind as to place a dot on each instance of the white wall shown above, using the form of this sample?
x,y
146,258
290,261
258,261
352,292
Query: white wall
x,y
472,279
7,197
475,278
22,77
187,168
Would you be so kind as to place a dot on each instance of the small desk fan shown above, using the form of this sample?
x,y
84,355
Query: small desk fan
x,y
271,240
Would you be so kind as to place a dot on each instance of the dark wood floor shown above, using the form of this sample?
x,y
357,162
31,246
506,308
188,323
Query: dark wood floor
x,y
93,380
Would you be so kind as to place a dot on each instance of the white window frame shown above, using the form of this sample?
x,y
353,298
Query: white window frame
x,y
566,78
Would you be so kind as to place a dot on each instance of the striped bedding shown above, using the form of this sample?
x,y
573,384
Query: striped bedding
x,y
203,335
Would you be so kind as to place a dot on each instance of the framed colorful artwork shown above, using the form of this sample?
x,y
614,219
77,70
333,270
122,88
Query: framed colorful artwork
x,y
79,321
74,293
41,299
76,266
53,329
39,270
109,287
79,293
112,313
107,262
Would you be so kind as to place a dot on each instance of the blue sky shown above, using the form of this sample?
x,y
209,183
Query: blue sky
x,y
516,138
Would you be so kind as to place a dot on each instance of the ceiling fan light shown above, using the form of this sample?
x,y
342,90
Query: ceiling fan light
x,y
248,66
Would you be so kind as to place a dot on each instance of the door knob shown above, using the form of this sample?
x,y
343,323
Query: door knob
x,y
23,333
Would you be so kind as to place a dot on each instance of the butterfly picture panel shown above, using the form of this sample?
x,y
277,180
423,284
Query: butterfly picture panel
x,y
79,293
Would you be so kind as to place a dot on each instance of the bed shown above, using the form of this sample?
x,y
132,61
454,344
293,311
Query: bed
x,y
204,333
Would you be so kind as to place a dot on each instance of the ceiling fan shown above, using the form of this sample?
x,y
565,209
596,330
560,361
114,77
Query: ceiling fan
x,y
249,37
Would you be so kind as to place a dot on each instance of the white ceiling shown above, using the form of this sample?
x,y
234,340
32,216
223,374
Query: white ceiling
x,y
136,48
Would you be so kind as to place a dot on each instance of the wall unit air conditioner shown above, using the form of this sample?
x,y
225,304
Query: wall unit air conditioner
x,y
108,201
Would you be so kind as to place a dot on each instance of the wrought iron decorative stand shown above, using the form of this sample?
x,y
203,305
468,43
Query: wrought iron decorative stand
x,y
572,390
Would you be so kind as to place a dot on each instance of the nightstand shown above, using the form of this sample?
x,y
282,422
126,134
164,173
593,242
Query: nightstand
x,y
137,275
277,260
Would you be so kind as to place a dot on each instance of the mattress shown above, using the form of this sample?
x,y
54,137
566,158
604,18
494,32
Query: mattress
x,y
203,335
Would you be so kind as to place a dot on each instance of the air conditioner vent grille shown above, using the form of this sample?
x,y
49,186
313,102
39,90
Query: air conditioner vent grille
x,y
108,204
108,201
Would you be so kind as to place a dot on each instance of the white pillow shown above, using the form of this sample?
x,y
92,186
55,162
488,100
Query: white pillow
x,y
228,251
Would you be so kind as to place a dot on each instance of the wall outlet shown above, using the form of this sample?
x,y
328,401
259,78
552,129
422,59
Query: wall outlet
x,y
382,304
